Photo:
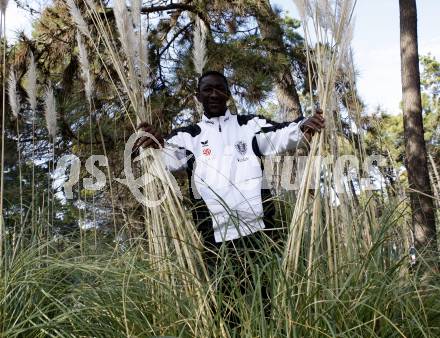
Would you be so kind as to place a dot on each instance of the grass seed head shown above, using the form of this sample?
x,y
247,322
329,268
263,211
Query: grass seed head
x,y
12,93
50,112
85,67
31,86
78,18
199,47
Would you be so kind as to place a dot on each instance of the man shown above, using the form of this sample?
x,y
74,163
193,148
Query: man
x,y
222,155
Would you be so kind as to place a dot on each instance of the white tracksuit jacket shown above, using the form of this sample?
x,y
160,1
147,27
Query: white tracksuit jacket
x,y
223,158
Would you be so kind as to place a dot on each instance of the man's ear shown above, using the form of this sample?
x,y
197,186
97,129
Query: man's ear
x,y
198,97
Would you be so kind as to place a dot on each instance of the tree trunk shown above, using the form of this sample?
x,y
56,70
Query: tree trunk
x,y
416,157
272,35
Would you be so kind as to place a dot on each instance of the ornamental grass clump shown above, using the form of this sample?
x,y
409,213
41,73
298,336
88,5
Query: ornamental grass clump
x,y
331,228
326,26
174,245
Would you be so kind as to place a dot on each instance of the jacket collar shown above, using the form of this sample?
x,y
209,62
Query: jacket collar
x,y
213,120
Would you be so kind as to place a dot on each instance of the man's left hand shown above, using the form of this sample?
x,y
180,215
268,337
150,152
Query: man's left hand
x,y
313,124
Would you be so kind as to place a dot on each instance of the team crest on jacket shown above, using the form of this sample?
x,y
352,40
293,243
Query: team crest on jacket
x,y
241,147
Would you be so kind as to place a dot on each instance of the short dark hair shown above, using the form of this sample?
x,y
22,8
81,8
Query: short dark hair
x,y
212,72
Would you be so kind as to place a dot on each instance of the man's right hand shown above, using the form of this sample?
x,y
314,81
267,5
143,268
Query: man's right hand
x,y
147,141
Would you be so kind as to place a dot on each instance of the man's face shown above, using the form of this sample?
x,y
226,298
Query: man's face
x,y
213,95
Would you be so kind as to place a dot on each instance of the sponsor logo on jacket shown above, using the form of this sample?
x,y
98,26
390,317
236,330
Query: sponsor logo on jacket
x,y
241,147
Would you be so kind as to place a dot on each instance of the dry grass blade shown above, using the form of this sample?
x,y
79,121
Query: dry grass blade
x,y
136,6
91,4
144,63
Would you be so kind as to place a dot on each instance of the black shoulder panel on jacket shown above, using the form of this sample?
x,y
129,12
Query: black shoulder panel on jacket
x,y
274,127
192,129
244,119
278,125
298,119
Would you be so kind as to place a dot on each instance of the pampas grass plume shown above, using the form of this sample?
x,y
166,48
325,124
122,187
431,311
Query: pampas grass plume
x,y
125,29
50,112
31,86
199,48
12,93
85,68
78,18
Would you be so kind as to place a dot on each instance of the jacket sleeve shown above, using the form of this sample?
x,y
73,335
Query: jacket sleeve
x,y
273,138
174,155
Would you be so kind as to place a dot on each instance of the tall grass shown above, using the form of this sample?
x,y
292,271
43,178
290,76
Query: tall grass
x,y
169,229
340,270
3,5
332,233
108,295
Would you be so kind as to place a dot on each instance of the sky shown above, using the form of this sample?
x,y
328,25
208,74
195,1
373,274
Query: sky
x,y
375,44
